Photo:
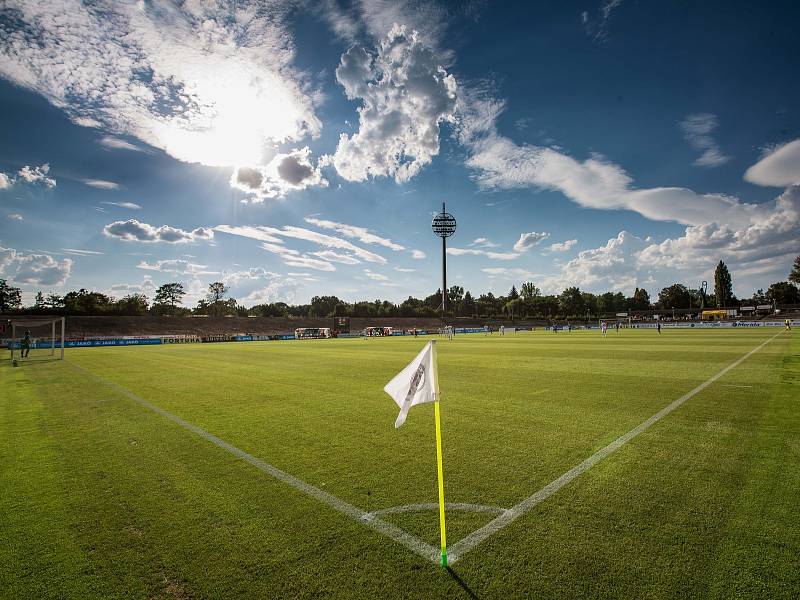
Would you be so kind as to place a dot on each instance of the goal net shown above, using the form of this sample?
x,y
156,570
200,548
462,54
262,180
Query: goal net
x,y
36,338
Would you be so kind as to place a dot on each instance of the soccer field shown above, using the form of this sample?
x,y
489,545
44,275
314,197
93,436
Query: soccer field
x,y
274,469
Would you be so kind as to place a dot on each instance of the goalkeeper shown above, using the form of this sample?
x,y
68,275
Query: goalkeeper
x,y
25,345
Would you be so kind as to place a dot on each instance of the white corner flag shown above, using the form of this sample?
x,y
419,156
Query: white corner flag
x,y
416,384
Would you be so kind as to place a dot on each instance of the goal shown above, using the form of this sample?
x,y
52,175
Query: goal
x,y
36,337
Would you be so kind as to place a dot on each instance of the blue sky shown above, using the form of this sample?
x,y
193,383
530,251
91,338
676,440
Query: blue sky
x,y
297,148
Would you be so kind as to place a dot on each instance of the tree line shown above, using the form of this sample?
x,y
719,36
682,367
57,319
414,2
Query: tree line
x,y
525,302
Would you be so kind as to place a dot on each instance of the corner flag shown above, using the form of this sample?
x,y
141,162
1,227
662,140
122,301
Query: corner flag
x,y
416,384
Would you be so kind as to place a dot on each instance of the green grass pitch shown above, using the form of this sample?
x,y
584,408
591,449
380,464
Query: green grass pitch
x,y
101,497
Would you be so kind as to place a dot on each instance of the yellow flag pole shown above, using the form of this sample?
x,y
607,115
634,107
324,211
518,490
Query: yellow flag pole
x,y
439,457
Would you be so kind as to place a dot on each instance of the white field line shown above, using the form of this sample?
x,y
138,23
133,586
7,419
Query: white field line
x,y
466,544
435,506
411,542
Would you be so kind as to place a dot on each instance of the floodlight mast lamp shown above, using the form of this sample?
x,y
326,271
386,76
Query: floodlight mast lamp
x,y
444,225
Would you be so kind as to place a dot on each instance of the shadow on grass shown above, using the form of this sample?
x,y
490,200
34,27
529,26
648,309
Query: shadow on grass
x,y
462,583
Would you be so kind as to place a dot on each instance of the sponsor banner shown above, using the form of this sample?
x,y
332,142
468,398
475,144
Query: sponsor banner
x,y
112,342
715,324
180,339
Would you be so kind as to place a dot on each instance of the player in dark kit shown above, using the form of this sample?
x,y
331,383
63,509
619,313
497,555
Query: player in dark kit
x,y
26,343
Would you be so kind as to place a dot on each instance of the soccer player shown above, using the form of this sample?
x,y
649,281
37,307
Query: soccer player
x,y
658,326
604,327
617,326
788,324
25,345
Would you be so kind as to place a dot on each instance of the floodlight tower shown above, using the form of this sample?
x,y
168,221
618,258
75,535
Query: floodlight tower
x,y
444,225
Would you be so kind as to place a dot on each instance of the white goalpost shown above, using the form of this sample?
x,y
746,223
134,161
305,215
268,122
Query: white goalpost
x,y
36,334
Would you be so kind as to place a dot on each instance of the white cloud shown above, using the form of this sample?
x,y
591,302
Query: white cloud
x,y
779,168
236,279
475,252
363,235
482,242
146,287
101,184
510,274
307,262
79,252
16,217
332,256
134,231
611,267
206,82
375,276
34,268
766,246
114,143
499,163
261,234
417,254
36,175
373,18
697,130
273,235
294,258
178,266
527,241
405,95
598,28
404,270
5,181
284,173
562,246
128,205
256,285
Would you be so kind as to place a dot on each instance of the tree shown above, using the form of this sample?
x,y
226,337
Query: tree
x,y
323,306
169,294
640,300
591,303
513,294
528,291
468,305
10,297
674,296
783,292
216,291
794,276
512,307
723,285
758,298
87,302
133,305
571,303
454,297
54,302
39,302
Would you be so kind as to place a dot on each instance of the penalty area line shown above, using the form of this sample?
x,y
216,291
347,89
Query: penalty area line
x,y
369,520
466,544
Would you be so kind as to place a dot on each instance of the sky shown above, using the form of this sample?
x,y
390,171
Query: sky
x,y
300,148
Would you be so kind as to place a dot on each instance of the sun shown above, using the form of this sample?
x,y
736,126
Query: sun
x,y
231,115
